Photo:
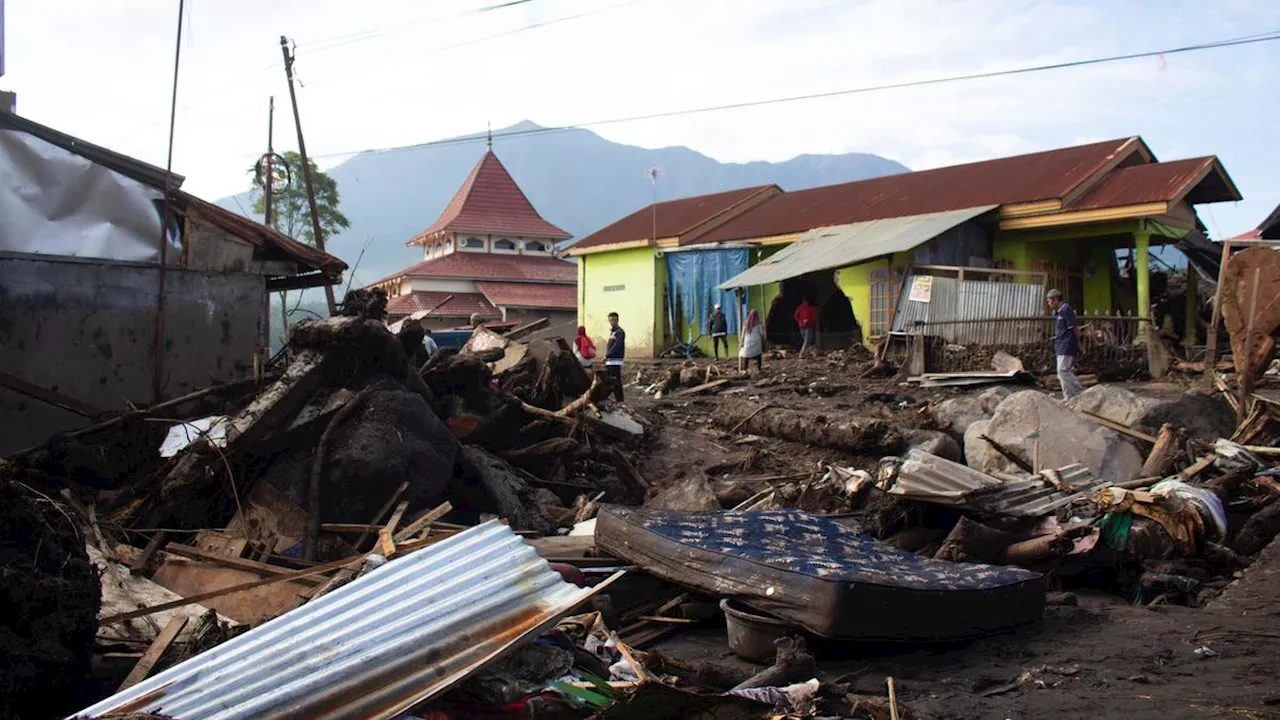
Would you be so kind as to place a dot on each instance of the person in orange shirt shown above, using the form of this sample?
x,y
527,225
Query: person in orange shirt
x,y
807,320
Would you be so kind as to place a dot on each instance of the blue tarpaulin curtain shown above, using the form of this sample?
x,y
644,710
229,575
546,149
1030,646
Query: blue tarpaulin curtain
x,y
692,277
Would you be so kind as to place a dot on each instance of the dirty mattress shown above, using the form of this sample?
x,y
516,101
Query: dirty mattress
x,y
821,575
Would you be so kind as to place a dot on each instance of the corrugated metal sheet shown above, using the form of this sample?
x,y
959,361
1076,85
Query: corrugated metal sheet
x,y
374,648
1053,174
929,478
1156,182
954,301
843,245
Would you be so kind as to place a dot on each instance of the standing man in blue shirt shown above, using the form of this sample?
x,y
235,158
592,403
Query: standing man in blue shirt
x,y
614,352
1066,344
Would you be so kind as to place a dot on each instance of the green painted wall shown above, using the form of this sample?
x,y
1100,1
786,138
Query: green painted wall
x,y
855,283
1098,268
628,282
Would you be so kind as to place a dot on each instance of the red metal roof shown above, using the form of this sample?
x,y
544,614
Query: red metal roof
x,y
441,304
530,295
1021,179
490,266
1154,182
490,203
673,217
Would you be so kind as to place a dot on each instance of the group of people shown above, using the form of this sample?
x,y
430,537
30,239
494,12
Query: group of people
x,y
1066,342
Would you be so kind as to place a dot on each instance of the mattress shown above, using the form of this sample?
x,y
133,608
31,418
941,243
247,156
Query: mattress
x,y
822,576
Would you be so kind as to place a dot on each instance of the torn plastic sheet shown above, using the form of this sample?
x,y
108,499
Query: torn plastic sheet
x,y
213,428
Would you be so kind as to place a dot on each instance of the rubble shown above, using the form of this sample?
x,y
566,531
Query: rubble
x,y
1200,416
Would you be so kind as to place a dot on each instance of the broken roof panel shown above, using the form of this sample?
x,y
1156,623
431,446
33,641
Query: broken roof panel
x,y
843,245
1201,180
375,647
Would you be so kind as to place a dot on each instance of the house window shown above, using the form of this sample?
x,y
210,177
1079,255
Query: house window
x,y
504,244
534,246
473,243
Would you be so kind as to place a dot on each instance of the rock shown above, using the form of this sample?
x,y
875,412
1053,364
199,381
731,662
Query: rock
x,y
1029,419
934,442
1204,417
958,413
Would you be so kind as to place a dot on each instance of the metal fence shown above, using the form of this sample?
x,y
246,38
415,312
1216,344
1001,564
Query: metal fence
x,y
1107,342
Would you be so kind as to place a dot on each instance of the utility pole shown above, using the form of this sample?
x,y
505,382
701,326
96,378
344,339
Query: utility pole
x,y
267,216
306,167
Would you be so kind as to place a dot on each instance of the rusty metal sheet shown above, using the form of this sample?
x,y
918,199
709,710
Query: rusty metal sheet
x,y
1250,297
376,647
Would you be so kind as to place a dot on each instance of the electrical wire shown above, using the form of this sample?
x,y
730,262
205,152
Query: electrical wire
x,y
1232,42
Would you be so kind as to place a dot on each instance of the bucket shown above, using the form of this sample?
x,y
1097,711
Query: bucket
x,y
751,636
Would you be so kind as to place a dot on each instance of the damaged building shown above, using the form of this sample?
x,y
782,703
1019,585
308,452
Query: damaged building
x,y
98,308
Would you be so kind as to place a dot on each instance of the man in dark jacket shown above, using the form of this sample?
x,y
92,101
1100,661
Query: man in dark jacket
x,y
614,352
718,325
1066,344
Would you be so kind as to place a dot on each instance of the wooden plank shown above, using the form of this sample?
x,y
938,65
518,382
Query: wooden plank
x,y
51,397
1211,342
1120,427
155,652
1198,467
298,575
391,502
701,388
395,518
153,545
236,563
525,329
416,527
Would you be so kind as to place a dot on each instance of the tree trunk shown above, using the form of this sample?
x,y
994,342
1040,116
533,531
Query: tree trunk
x,y
514,499
866,435
1164,454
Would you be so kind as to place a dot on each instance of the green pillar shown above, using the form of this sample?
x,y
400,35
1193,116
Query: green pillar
x,y
1193,307
1141,250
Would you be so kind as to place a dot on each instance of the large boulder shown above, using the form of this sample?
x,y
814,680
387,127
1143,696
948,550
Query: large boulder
x,y
934,442
956,414
1204,417
1034,426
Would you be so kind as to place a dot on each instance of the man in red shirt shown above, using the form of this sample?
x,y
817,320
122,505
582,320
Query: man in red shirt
x,y
807,319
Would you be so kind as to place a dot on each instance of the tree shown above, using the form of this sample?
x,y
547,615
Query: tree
x,y
292,213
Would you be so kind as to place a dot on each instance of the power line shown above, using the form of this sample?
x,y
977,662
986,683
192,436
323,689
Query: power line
x,y
1246,40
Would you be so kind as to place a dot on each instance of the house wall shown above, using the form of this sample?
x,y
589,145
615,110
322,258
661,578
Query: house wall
x,y
87,329
630,283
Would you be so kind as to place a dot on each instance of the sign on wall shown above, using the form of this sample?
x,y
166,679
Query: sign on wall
x,y
921,288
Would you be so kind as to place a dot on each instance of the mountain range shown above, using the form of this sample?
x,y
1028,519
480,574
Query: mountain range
x,y
575,178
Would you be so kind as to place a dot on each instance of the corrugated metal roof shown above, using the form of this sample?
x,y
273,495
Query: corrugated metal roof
x,y
843,245
1158,182
929,478
1049,175
673,217
492,266
375,647
490,202
530,295
439,303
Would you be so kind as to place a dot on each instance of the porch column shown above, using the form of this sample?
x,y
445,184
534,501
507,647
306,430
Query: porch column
x,y
1141,249
1193,307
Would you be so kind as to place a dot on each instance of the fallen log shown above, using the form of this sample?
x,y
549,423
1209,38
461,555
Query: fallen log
x,y
972,542
868,435
511,494
1035,551
1258,531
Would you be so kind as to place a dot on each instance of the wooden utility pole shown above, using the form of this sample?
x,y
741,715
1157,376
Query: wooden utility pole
x,y
268,217
306,167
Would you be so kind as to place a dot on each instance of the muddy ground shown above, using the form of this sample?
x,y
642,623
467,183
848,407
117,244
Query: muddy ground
x,y
1102,658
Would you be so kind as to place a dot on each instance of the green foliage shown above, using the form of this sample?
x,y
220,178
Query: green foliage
x,y
292,213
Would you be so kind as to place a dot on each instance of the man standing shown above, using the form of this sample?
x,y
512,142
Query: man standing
x,y
1066,344
807,320
430,344
614,351
718,324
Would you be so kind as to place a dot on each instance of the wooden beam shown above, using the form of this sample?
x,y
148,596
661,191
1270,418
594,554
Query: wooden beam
x,y
139,563
195,553
51,397
153,654
1211,342
414,528
701,388
1120,428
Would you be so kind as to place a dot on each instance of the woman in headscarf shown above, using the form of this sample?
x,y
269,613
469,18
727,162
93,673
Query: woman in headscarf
x,y
584,349
752,345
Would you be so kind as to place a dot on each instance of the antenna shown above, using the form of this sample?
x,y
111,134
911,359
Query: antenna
x,y
488,129
653,179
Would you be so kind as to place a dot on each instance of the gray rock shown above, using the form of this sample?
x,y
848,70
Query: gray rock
x,y
1204,417
934,442
1033,425
956,414
691,494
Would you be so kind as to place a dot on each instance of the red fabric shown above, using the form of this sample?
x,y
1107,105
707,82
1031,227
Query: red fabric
x,y
753,319
586,348
806,315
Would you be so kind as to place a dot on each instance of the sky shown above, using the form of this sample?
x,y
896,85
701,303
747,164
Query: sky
x,y
394,72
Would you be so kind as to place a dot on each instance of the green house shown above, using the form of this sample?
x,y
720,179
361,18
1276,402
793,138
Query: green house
x,y
1062,218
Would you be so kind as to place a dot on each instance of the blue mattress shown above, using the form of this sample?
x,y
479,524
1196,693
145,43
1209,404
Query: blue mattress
x,y
821,575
